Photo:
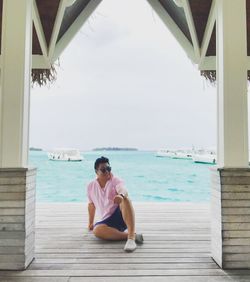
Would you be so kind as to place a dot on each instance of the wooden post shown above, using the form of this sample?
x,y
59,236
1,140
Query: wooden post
x,y
17,182
230,195
15,82
17,217
231,70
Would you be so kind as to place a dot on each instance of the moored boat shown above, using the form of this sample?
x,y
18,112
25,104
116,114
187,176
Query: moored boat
x,y
205,157
175,154
65,154
165,153
183,154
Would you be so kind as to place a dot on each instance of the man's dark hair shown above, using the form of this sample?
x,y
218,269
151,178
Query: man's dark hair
x,y
100,160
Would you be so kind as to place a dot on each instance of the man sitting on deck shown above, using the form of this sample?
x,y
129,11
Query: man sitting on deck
x,y
108,196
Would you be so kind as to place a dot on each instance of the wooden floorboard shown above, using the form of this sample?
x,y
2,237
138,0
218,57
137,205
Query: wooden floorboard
x,y
176,247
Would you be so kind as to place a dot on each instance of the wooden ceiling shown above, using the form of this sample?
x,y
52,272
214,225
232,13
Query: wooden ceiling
x,y
48,11
200,11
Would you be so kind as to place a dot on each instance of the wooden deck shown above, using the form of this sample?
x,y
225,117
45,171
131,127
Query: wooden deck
x,y
176,248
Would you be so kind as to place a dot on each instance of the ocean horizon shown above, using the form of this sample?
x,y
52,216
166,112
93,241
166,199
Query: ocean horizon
x,y
146,177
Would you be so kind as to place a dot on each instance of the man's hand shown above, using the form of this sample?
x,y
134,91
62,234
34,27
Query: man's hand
x,y
91,210
118,199
91,226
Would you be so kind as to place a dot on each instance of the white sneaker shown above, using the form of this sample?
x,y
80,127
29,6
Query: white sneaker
x,y
130,245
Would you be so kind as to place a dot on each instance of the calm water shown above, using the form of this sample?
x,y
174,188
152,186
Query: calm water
x,y
147,177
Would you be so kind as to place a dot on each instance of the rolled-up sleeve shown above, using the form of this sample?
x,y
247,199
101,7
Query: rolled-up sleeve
x,y
120,187
89,194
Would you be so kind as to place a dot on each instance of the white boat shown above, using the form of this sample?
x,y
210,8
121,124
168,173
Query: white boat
x,y
175,154
205,157
165,153
182,154
65,154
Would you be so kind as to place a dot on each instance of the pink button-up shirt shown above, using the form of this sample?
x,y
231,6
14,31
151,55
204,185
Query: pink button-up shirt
x,y
103,198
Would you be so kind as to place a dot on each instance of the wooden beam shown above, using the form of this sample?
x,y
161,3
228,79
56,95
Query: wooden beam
x,y
39,30
174,29
208,63
208,31
70,3
57,25
192,29
40,62
74,28
178,3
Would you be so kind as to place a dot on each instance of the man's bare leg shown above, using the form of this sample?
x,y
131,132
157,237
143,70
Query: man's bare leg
x,y
128,216
105,232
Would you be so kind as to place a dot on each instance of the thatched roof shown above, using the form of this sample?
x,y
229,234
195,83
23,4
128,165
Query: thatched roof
x,y
192,23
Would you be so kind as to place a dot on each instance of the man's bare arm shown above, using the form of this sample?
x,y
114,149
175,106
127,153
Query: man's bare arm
x,y
91,209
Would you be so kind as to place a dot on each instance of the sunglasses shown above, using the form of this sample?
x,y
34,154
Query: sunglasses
x,y
105,169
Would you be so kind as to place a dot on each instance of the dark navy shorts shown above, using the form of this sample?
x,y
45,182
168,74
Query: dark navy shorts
x,y
115,220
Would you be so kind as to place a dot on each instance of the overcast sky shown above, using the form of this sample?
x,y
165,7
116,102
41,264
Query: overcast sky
x,y
124,81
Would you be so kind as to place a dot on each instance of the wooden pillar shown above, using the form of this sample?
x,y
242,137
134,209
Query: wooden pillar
x,y
15,82
230,196
231,70
17,181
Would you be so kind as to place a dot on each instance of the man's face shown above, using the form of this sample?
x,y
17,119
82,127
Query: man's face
x,y
104,171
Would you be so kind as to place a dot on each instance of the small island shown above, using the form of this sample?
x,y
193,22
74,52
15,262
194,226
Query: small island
x,y
35,149
114,149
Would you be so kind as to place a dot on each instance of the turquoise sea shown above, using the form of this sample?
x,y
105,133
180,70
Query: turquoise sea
x,y
147,177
